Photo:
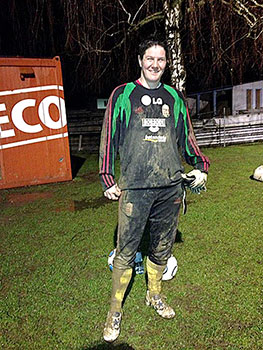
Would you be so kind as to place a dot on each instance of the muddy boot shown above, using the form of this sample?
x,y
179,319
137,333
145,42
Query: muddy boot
x,y
120,282
153,295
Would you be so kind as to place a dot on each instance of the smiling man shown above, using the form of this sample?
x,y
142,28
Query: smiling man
x,y
152,63
147,122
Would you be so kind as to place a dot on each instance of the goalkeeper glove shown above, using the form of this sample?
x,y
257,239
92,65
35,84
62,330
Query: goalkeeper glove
x,y
195,180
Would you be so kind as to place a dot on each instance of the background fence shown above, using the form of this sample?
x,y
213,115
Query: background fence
x,y
229,130
85,127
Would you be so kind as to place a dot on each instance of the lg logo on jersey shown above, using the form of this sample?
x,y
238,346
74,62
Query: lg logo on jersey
x,y
146,100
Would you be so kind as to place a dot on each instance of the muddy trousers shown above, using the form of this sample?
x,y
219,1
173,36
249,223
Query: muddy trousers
x,y
159,207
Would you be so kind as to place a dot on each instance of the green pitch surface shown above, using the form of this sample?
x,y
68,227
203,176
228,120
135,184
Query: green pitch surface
x,y
55,283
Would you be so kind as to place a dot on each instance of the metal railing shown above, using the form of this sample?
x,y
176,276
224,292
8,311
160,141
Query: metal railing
x,y
85,127
227,130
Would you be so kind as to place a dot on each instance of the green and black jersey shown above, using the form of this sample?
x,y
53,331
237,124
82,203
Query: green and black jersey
x,y
149,128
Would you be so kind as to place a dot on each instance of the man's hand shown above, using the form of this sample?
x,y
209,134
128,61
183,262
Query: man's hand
x,y
200,178
113,193
195,180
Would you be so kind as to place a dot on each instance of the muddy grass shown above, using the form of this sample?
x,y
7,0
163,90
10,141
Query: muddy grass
x,y
55,281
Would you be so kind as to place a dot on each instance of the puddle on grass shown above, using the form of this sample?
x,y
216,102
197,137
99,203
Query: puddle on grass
x,y
20,199
74,206
94,204
91,176
5,220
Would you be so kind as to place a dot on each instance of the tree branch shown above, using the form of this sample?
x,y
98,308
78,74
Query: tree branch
x,y
244,10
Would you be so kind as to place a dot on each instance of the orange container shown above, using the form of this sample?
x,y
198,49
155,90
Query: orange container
x,y
34,145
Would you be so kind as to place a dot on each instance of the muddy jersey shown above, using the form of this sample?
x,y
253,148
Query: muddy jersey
x,y
150,129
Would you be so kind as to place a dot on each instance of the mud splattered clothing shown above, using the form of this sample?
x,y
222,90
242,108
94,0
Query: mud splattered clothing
x,y
157,206
149,128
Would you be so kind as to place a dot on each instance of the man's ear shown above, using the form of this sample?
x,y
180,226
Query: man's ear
x,y
140,61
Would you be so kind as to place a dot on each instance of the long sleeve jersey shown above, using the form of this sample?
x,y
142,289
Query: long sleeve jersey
x,y
151,129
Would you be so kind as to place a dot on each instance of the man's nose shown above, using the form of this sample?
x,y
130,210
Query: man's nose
x,y
155,62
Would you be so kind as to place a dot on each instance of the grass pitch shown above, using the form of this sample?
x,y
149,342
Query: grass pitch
x,y
55,283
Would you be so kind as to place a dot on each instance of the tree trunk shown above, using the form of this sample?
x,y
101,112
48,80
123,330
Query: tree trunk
x,y
173,14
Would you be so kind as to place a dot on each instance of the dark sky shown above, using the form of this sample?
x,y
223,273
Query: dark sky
x,y
40,28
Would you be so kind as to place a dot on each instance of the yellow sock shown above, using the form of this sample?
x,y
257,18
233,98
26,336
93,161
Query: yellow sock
x,y
120,282
155,274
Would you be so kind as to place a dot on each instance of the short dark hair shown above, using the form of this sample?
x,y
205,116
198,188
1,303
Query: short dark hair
x,y
146,44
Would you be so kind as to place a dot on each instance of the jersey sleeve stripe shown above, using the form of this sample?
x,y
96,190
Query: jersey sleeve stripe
x,y
106,160
105,181
194,145
108,180
105,147
109,137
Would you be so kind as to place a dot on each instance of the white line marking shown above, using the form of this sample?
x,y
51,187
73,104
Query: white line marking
x,y
33,89
40,139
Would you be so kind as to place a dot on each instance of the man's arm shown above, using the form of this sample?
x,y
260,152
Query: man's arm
x,y
187,142
109,143
191,151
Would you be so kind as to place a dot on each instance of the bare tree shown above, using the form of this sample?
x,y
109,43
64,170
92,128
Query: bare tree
x,y
251,11
216,42
222,44
173,16
102,34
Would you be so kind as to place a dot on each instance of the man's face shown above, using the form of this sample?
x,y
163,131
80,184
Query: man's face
x,y
153,64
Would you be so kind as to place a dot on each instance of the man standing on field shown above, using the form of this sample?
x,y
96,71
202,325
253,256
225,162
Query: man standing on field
x,y
147,122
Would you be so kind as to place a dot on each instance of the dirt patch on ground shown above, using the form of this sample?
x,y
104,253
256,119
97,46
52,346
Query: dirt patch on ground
x,y
5,220
92,176
73,205
95,203
18,199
